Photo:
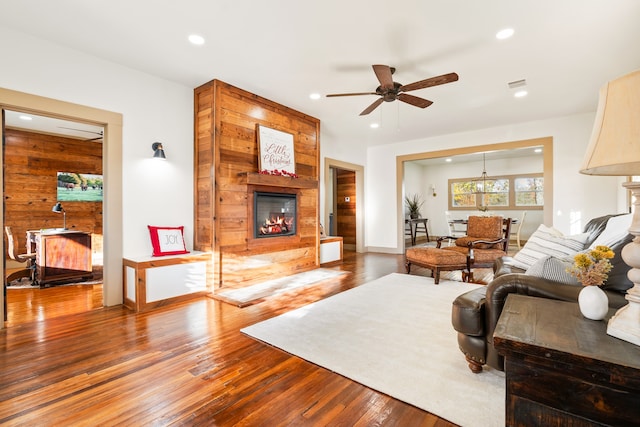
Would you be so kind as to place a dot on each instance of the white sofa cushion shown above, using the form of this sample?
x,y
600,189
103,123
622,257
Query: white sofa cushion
x,y
616,229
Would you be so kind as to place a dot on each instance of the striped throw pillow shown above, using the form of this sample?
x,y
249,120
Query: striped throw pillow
x,y
554,269
547,241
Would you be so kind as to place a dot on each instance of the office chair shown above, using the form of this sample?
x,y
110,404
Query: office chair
x,y
30,259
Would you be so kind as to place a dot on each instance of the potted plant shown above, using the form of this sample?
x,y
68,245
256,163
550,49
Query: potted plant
x,y
414,203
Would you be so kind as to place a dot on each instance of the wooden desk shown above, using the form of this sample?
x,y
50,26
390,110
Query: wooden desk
x,y
61,255
563,369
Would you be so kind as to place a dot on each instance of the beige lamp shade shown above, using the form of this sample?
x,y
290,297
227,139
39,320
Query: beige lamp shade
x,y
614,148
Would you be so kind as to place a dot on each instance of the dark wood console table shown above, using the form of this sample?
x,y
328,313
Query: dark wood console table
x,y
61,255
563,369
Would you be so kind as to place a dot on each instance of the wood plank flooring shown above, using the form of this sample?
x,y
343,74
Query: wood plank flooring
x,y
183,365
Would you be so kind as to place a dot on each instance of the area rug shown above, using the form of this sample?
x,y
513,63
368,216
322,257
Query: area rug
x,y
26,284
254,294
394,335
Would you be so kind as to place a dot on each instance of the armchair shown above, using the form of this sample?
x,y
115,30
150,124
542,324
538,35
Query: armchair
x,y
487,239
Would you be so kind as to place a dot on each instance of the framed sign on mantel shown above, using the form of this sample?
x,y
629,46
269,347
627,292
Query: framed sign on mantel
x,y
275,150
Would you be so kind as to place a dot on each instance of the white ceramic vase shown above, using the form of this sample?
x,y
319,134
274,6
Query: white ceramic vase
x,y
593,303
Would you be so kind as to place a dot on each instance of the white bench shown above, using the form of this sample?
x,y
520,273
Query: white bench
x,y
330,250
152,282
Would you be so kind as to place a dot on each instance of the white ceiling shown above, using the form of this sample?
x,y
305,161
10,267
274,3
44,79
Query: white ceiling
x,y
285,49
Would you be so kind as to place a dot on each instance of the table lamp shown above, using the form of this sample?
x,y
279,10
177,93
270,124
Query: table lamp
x,y
614,149
57,208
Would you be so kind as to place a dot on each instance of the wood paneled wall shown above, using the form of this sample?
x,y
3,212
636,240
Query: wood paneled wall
x,y
31,164
346,211
226,175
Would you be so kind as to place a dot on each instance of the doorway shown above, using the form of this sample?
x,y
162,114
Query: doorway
x,y
344,203
545,142
53,182
112,173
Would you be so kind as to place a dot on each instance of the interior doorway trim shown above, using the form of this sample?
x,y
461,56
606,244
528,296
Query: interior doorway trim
x,y
359,170
112,172
545,142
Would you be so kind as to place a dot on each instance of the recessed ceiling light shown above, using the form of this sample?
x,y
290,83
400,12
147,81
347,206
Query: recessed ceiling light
x,y
26,118
520,93
314,96
196,39
538,150
374,125
504,34
448,160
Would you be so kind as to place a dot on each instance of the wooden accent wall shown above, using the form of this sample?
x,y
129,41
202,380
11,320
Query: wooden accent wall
x,y
31,164
226,176
346,211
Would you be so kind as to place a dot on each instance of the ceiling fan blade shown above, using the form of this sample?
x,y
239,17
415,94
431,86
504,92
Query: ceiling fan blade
x,y
372,107
384,75
351,94
433,81
414,100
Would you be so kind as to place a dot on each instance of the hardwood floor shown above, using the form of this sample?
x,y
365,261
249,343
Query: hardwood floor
x,y
186,364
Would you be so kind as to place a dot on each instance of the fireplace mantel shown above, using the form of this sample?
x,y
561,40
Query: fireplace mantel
x,y
253,178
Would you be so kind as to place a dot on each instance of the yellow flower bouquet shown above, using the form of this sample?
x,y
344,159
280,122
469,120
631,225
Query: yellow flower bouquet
x,y
592,268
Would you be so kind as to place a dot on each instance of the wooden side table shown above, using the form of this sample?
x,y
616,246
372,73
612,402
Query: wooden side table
x,y
563,369
417,225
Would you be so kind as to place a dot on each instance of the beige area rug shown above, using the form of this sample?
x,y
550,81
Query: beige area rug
x,y
394,335
243,297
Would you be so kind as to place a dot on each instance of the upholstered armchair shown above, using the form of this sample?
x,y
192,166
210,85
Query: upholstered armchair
x,y
487,239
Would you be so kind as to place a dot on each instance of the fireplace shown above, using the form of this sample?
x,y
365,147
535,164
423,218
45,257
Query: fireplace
x,y
274,214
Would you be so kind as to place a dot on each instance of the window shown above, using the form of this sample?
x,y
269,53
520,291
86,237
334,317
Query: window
x,y
529,191
496,194
463,194
504,192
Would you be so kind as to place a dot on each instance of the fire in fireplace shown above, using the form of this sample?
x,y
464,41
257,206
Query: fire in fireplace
x,y
275,214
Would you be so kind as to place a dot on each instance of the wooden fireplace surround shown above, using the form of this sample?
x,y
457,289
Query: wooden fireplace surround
x,y
226,175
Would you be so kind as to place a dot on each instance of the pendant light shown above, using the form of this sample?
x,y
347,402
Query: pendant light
x,y
481,185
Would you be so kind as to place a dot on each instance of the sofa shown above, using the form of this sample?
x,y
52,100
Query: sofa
x,y
475,313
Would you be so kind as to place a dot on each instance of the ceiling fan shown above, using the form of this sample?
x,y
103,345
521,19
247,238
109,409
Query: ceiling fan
x,y
390,91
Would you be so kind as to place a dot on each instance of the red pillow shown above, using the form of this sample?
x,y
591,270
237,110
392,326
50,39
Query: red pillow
x,y
167,240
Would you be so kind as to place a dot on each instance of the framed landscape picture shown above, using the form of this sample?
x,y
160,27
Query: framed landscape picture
x,y
275,150
77,187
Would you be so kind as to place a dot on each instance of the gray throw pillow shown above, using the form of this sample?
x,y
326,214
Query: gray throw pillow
x,y
554,269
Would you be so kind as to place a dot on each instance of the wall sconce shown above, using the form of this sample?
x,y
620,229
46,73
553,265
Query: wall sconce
x,y
433,190
158,151
57,208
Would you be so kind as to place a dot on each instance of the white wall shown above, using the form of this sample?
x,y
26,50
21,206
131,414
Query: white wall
x,y
413,183
576,199
153,110
344,151
158,110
